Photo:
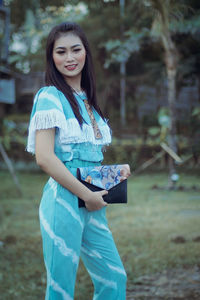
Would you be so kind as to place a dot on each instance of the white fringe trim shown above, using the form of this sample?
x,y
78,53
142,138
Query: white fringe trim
x,y
70,131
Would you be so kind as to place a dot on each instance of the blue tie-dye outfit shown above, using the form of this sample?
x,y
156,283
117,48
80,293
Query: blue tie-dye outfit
x,y
68,231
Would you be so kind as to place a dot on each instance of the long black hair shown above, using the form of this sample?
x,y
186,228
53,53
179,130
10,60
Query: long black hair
x,y
55,78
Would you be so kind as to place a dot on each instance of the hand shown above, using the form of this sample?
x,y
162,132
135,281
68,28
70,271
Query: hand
x,y
95,200
125,172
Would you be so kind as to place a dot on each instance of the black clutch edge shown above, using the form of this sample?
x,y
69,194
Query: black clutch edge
x,y
117,194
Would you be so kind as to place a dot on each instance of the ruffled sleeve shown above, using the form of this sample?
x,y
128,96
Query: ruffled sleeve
x,y
51,109
47,112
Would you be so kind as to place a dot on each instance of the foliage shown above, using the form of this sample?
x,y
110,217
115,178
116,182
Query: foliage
x,y
14,133
153,22
28,41
162,130
122,50
196,112
137,150
32,20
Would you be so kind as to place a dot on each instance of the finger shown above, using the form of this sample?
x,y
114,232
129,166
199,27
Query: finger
x,y
129,170
104,192
127,175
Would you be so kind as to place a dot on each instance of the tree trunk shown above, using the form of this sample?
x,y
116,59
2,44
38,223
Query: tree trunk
x,y
10,168
123,94
122,71
2,113
171,64
171,61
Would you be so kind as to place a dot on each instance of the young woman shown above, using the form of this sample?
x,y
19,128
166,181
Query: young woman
x,y
67,130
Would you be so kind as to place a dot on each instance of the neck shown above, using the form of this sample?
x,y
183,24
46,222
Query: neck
x,y
75,83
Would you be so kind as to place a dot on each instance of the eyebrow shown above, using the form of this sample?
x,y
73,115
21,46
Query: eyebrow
x,y
60,47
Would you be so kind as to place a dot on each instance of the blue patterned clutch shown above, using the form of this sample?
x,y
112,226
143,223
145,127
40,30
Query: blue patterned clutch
x,y
112,178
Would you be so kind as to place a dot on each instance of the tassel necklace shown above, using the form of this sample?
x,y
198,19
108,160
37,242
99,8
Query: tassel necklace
x,y
81,94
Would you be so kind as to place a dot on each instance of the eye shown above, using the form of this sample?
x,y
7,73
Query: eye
x,y
60,52
77,49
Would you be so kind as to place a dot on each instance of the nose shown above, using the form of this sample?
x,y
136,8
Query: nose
x,y
69,57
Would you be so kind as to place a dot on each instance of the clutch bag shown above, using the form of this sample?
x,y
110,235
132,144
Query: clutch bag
x,y
106,177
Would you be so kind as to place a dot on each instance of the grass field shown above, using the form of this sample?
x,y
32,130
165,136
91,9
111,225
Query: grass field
x,y
143,230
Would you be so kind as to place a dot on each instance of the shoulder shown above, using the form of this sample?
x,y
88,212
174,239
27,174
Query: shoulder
x,y
48,97
46,92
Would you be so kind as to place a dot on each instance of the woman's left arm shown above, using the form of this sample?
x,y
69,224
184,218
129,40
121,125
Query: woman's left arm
x,y
53,166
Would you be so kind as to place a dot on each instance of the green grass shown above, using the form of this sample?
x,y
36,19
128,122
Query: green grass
x,y
143,230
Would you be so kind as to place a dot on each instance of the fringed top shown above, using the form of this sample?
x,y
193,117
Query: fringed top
x,y
52,109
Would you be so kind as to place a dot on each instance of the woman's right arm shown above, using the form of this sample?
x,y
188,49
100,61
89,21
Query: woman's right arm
x,y
54,167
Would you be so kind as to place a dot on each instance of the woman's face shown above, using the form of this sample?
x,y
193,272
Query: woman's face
x,y
69,56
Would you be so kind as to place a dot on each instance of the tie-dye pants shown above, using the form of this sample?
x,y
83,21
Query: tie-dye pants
x,y
70,232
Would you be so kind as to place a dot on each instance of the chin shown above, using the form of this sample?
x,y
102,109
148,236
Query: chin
x,y
72,75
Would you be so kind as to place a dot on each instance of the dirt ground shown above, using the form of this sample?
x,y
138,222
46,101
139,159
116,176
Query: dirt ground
x,y
175,284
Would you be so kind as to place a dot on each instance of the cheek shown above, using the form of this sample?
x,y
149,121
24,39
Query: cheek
x,y
57,60
82,58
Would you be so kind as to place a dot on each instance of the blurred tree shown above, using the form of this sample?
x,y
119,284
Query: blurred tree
x,y
158,13
28,41
32,20
19,9
162,11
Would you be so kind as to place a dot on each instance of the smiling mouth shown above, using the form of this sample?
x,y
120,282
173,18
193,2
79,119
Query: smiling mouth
x,y
71,67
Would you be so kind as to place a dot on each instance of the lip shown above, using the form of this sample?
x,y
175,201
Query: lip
x,y
71,67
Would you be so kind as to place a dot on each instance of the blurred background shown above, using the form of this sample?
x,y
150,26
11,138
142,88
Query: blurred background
x,y
147,61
